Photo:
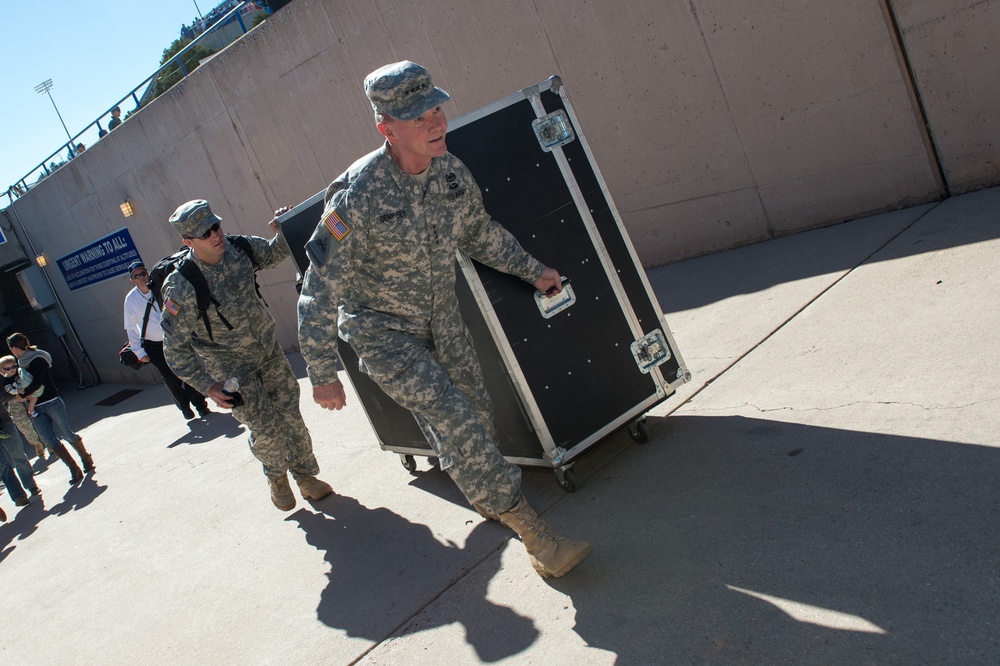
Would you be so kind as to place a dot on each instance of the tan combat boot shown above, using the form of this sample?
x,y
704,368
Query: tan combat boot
x,y
281,493
312,488
550,555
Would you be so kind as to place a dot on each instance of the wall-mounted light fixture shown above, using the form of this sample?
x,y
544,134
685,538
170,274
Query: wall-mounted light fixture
x,y
41,261
128,210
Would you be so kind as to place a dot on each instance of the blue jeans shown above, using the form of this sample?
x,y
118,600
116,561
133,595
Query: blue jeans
x,y
52,424
14,446
10,480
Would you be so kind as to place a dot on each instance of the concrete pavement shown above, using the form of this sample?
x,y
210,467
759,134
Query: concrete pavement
x,y
824,491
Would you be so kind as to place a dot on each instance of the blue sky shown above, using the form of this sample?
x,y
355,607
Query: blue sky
x,y
95,52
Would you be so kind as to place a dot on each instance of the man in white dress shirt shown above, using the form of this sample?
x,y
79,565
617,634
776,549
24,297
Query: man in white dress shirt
x,y
148,345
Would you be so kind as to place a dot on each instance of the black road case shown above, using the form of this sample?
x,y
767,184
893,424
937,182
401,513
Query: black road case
x,y
563,372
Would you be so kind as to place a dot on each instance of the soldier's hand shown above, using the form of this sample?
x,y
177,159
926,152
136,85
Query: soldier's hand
x,y
550,283
218,397
330,396
273,224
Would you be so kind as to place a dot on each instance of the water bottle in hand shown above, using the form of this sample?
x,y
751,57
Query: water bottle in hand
x,y
232,389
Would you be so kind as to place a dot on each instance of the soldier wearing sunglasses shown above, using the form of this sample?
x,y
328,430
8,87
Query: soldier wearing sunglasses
x,y
236,339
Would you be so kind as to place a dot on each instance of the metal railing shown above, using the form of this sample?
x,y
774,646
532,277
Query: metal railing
x,y
47,165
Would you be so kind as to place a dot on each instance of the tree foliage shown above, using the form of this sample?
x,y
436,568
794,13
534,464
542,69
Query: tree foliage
x,y
173,73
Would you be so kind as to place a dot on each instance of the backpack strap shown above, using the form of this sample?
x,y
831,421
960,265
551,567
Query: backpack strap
x,y
145,322
243,244
203,295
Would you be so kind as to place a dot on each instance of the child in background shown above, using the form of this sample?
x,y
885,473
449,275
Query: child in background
x,y
22,379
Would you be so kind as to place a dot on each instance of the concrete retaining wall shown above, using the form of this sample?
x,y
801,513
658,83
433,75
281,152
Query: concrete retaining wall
x,y
715,124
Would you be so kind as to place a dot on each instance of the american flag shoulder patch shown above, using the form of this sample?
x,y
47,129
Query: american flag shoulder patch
x,y
335,225
170,306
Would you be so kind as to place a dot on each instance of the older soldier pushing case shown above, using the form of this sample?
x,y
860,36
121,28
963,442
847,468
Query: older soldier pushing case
x,y
382,277
564,372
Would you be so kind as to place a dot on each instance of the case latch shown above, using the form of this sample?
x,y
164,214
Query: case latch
x,y
553,130
650,351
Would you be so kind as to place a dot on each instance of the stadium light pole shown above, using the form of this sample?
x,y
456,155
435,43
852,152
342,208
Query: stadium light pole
x,y
44,87
198,8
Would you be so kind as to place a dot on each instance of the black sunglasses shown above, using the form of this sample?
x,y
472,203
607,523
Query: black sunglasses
x,y
211,230
140,274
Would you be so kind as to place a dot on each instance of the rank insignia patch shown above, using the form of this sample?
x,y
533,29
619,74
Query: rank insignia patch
x,y
335,225
170,306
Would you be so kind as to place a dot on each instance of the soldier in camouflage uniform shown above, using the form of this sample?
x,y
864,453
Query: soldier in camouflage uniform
x,y
243,345
382,277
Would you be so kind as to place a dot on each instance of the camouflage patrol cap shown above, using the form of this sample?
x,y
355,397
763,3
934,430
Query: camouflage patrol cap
x,y
403,90
193,219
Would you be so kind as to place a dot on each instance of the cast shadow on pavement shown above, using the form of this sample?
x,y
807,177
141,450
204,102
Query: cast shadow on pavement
x,y
20,525
24,523
742,540
84,408
384,568
209,428
80,495
538,482
431,479
955,222
38,464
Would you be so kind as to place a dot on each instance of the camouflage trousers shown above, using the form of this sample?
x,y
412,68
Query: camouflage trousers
x,y
23,422
278,435
441,383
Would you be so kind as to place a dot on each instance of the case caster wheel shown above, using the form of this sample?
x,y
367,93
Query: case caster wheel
x,y
567,479
639,431
408,462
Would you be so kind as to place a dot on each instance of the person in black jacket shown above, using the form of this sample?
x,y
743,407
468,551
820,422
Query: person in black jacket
x,y
51,421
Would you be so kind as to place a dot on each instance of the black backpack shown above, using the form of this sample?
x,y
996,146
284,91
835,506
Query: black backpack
x,y
181,261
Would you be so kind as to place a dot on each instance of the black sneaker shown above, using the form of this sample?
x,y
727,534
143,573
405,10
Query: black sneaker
x,y
22,501
188,414
204,411
35,491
